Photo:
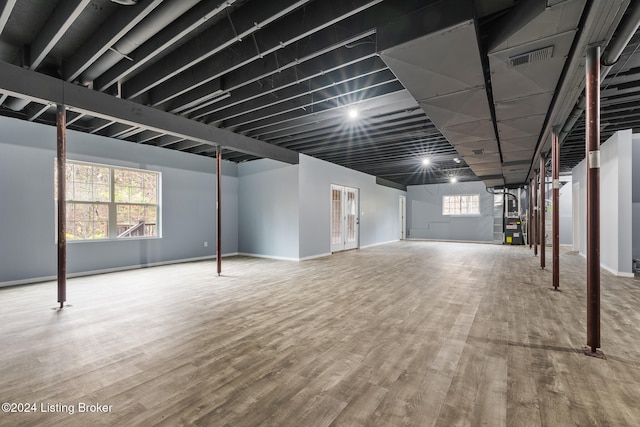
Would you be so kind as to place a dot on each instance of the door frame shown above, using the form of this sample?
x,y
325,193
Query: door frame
x,y
345,243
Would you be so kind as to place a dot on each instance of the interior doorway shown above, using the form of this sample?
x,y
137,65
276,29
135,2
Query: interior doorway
x,y
345,223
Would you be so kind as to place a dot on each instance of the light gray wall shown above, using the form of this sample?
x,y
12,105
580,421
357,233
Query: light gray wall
x,y
579,176
379,206
27,211
635,191
425,219
615,203
268,209
566,219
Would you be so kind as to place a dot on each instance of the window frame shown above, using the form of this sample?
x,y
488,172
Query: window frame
x,y
112,205
459,212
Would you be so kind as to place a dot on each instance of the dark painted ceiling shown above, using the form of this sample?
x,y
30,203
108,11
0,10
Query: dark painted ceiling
x,y
473,86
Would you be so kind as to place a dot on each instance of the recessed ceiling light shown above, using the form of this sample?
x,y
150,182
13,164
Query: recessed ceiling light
x,y
426,161
353,113
457,160
454,179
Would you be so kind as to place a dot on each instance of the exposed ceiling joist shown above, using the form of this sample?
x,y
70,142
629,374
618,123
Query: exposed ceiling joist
x,y
6,7
242,89
217,37
299,25
63,17
285,59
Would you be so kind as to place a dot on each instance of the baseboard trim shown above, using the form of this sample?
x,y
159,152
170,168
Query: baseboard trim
x,y
490,242
617,273
34,280
315,256
379,244
279,258
609,269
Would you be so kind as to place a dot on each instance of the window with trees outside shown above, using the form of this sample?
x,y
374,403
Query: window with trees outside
x,y
105,202
461,204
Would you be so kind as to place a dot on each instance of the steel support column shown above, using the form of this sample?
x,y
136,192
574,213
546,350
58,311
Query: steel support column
x,y
555,172
535,214
542,208
219,209
592,89
61,149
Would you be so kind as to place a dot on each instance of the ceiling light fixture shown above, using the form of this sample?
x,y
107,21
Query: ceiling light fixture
x,y
453,179
353,113
457,160
426,161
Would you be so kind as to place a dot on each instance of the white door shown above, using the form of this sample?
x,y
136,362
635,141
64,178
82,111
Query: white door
x,y
403,215
344,218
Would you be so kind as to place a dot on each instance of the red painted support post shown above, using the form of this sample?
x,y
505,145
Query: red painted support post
x,y
535,214
592,89
218,209
542,207
61,151
555,172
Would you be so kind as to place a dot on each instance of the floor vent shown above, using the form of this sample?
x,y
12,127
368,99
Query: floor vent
x,y
533,56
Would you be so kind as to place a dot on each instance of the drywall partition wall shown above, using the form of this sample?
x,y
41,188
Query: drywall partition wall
x,y
379,219
616,177
387,214
566,199
635,191
268,209
579,212
425,219
27,211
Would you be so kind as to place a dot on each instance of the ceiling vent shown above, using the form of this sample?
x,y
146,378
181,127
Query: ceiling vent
x,y
478,152
533,56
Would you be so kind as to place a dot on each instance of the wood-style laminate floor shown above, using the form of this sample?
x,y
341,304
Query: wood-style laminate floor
x,y
410,333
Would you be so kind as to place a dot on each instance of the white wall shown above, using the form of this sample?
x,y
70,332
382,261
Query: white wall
x,y
616,210
425,219
27,211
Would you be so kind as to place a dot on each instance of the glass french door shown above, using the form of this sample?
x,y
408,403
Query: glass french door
x,y
344,218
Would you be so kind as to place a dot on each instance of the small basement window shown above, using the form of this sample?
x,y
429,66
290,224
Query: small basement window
x,y
461,204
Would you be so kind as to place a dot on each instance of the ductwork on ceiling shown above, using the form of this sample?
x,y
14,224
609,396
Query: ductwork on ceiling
x,y
164,15
526,60
442,69
610,56
440,62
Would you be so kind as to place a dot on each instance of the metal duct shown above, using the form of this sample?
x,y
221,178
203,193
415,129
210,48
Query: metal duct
x,y
626,30
610,56
164,15
598,21
435,53
527,58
